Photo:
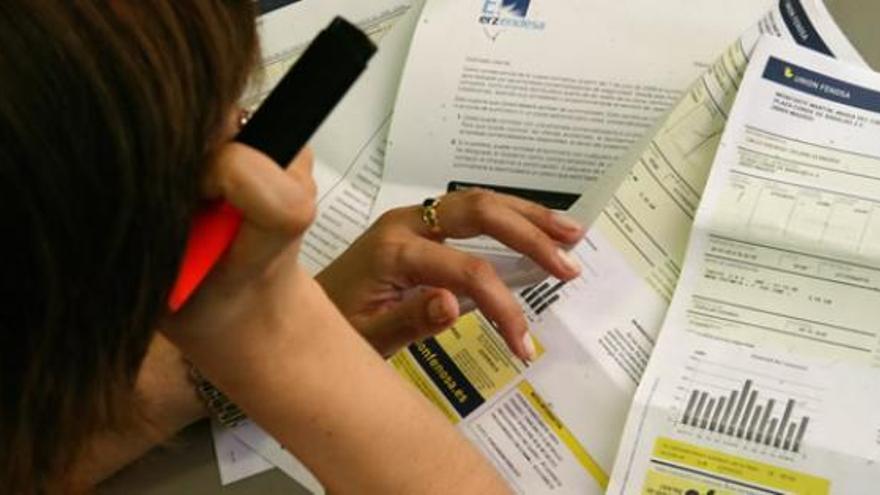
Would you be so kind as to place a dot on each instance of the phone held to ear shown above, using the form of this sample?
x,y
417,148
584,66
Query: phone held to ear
x,y
280,128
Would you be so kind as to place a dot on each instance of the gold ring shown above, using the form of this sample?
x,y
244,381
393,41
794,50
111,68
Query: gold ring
x,y
429,215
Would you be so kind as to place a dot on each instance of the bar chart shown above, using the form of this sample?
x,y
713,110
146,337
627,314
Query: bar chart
x,y
539,297
748,414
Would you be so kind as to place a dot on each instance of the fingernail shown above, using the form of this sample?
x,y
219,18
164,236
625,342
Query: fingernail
x,y
566,222
529,346
437,312
568,260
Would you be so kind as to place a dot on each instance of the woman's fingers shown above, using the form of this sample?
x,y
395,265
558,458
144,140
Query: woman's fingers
x,y
271,198
559,226
423,262
523,236
425,313
521,225
468,213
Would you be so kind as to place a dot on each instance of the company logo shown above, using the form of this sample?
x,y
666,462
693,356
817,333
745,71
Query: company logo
x,y
516,7
509,13
816,84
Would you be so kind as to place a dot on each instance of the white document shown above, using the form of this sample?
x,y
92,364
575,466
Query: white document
x,y
250,434
540,97
635,249
596,333
348,148
765,373
648,220
235,460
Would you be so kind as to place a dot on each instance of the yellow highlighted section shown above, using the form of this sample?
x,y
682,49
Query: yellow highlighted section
x,y
660,483
733,467
410,371
553,422
478,351
481,354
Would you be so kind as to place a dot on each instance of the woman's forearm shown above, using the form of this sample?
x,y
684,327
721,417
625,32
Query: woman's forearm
x,y
319,388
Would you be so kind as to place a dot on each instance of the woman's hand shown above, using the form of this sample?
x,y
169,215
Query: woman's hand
x,y
265,334
371,282
258,282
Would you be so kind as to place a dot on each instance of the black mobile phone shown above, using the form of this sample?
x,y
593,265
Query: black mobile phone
x,y
309,91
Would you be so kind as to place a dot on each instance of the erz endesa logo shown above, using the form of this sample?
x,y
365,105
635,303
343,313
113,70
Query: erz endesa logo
x,y
508,13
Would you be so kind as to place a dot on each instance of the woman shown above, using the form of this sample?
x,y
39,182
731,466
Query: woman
x,y
115,122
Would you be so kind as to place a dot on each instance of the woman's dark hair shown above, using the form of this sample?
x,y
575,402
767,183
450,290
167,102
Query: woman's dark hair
x,y
109,111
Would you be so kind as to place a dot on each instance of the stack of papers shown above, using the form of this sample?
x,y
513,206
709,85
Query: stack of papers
x,y
758,381
735,213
